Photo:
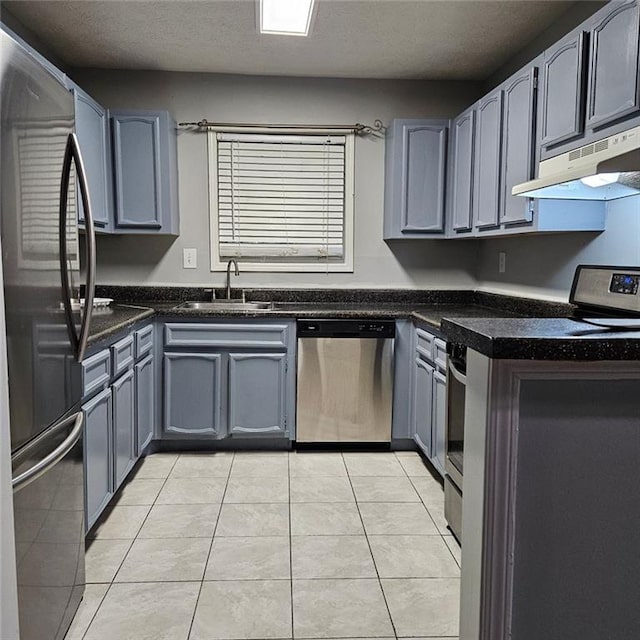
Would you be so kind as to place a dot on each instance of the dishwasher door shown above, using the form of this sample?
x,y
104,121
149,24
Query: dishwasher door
x,y
345,388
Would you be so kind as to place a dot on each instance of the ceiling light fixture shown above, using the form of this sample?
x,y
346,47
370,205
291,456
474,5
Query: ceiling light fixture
x,y
286,17
600,179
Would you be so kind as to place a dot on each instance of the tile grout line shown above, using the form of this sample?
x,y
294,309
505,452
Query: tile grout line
x,y
111,583
213,535
384,595
442,535
290,544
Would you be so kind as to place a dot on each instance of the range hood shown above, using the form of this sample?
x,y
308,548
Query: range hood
x,y
603,170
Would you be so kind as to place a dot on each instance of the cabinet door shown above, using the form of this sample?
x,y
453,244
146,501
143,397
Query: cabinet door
x,y
486,193
462,180
438,418
563,91
145,403
193,394
613,75
257,393
138,171
92,129
518,143
123,426
423,178
98,474
422,404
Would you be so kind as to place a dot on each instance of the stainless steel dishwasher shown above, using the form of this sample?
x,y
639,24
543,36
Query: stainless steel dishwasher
x,y
345,380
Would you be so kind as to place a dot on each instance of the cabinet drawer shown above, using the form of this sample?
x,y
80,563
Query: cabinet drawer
x,y
424,344
440,353
226,335
143,341
122,355
96,372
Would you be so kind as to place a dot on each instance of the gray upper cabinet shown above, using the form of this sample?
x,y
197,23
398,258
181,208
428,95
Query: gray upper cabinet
x,y
486,192
463,137
563,90
92,129
614,88
145,172
518,143
416,155
262,377
193,394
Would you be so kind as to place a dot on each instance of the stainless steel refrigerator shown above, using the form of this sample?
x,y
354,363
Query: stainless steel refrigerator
x,y
42,177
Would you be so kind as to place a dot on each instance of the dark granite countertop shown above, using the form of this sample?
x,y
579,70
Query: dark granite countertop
x,y
106,322
497,326
542,339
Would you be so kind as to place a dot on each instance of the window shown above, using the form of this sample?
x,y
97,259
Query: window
x,y
282,202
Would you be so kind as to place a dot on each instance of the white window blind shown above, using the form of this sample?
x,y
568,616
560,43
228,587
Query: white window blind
x,y
282,199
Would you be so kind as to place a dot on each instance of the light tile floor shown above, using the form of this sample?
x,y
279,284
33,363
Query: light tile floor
x,y
248,546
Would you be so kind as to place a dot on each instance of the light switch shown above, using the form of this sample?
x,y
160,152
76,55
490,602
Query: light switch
x,y
189,258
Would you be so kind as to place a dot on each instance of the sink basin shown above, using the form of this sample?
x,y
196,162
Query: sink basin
x,y
229,305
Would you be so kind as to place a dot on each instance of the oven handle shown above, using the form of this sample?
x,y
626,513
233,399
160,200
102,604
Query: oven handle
x,y
459,376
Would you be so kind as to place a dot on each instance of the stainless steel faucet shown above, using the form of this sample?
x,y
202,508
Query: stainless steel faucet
x,y
235,262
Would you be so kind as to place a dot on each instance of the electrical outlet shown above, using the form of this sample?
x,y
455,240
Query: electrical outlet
x,y
502,262
189,259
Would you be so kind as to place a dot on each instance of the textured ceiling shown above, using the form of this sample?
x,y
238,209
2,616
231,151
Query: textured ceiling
x,y
436,39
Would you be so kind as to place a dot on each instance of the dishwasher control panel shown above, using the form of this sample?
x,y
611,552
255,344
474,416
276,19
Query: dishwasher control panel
x,y
334,328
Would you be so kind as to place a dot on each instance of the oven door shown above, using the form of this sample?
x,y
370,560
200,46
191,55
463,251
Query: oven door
x,y
456,391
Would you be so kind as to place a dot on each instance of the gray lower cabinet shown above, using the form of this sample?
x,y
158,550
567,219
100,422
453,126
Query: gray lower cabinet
x,y
123,426
119,409
98,436
257,393
145,172
422,404
415,178
193,394
429,397
230,378
145,402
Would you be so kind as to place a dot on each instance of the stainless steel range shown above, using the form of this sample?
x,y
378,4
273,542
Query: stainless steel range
x,y
607,297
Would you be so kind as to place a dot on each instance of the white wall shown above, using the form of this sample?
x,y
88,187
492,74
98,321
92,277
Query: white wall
x,y
189,97
543,266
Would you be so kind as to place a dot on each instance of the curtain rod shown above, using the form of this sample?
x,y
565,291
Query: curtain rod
x,y
377,128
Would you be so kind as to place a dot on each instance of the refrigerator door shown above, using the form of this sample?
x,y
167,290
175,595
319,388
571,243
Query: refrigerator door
x,y
37,117
48,502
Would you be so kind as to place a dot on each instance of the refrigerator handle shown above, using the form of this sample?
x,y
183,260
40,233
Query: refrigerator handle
x,y
49,461
62,228
72,153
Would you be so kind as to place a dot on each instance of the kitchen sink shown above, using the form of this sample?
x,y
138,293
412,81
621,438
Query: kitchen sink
x,y
230,305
